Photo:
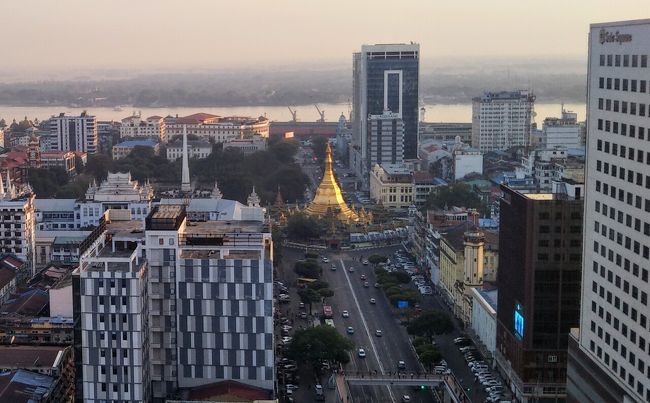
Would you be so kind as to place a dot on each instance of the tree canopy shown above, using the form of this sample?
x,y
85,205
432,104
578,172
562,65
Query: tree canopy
x,y
303,227
458,194
235,172
430,323
319,145
376,259
307,268
321,343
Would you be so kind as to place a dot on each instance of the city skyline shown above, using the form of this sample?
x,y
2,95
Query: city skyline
x,y
121,34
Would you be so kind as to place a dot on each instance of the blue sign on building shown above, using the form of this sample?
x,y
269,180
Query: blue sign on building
x,y
519,322
402,304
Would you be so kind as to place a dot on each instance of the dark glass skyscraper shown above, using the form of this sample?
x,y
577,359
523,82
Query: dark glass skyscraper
x,y
386,78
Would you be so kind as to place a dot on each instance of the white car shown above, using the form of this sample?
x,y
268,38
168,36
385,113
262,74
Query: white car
x,y
406,399
345,314
365,263
373,301
333,268
378,333
286,340
325,260
362,353
291,386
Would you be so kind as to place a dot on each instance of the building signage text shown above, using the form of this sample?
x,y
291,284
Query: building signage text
x,y
614,37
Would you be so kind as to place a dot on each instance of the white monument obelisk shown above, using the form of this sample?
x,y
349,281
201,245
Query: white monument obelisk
x,y
186,186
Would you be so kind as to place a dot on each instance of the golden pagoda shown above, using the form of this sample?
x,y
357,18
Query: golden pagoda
x,y
329,196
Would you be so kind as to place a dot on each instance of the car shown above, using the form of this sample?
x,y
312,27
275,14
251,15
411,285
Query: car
x,y
333,268
286,327
319,390
350,330
291,386
378,333
373,301
458,340
303,315
490,383
362,353
345,314
495,389
365,262
363,277
443,363
366,284
290,367
351,269
286,340
301,305
325,259
406,399
401,365
376,285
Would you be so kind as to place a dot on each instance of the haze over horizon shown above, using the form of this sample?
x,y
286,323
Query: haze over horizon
x,y
69,36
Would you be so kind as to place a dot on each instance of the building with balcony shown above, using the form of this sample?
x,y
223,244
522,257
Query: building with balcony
x,y
111,308
74,133
59,159
218,128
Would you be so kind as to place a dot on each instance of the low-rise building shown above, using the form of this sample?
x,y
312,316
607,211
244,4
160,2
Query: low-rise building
x,y
248,145
468,258
424,183
467,161
124,148
20,386
60,159
7,282
52,361
135,127
445,132
391,185
218,128
484,319
195,149
24,329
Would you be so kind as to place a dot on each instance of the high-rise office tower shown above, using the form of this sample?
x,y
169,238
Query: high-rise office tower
x,y
386,138
385,79
74,133
540,246
501,120
609,354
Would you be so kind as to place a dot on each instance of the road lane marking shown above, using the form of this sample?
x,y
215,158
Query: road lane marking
x,y
365,326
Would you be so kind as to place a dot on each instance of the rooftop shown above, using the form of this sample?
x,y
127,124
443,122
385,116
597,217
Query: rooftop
x,y
14,357
6,275
136,143
22,386
455,236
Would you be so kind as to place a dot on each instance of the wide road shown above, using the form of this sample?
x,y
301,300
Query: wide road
x,y
382,353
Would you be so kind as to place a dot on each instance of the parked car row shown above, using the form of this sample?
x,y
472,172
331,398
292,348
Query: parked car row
x,y
489,381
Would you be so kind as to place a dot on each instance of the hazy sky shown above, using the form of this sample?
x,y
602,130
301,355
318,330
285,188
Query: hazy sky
x,y
50,34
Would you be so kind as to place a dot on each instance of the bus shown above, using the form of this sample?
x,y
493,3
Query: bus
x,y
329,322
327,312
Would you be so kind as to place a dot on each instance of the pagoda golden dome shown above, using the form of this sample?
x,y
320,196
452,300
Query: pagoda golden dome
x,y
329,198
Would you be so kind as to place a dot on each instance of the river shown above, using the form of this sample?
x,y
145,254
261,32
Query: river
x,y
434,113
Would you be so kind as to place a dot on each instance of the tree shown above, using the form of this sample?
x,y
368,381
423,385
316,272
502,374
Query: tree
x,y
326,292
307,268
284,150
309,296
319,145
429,324
376,259
320,343
428,354
458,194
303,227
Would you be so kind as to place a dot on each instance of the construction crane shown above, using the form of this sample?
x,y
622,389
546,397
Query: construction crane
x,y
322,114
293,114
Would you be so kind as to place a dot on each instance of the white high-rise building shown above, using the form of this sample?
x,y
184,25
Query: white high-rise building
x,y
610,353
501,120
562,132
112,313
74,133
18,222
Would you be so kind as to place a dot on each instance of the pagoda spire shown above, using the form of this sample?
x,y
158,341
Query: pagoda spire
x,y
329,196
253,199
216,192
